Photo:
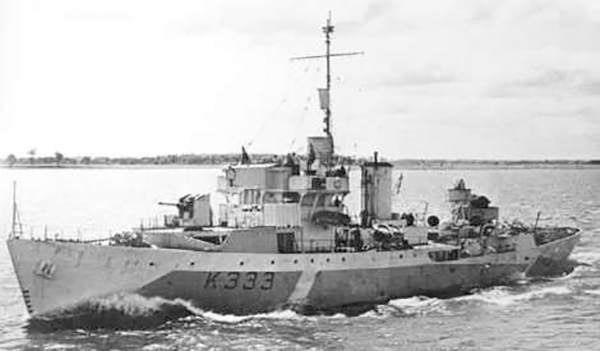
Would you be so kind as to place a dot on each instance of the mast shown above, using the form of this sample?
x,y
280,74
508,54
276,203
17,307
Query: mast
x,y
328,29
325,93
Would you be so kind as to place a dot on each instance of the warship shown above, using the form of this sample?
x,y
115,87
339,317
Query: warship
x,y
283,238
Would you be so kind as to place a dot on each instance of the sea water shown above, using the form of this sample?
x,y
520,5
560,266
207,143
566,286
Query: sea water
x,y
554,313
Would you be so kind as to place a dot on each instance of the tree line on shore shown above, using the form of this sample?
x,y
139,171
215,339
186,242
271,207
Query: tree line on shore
x,y
60,160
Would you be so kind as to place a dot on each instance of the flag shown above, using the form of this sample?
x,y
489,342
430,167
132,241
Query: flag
x,y
245,157
311,155
324,98
399,183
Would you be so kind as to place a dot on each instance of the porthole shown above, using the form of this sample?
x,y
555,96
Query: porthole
x,y
151,263
241,263
295,261
327,260
312,260
192,263
272,261
343,259
400,256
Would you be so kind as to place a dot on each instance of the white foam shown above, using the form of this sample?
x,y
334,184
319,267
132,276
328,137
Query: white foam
x,y
413,302
578,272
502,296
418,304
128,333
280,314
130,304
137,305
497,295
58,346
224,318
587,257
371,313
233,319
592,292
551,290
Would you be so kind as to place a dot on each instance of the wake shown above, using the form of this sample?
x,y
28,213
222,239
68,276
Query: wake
x,y
136,312
115,312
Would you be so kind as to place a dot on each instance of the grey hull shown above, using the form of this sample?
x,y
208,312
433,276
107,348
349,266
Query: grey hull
x,y
242,293
554,258
57,275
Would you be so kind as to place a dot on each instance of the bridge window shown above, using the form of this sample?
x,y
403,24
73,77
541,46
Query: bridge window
x,y
272,198
291,197
324,200
317,183
251,197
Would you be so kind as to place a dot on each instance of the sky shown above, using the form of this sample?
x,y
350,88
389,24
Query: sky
x,y
452,79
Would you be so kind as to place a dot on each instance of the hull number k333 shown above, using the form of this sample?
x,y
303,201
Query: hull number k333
x,y
240,280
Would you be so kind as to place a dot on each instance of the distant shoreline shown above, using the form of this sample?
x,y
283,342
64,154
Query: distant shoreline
x,y
110,166
401,164
494,165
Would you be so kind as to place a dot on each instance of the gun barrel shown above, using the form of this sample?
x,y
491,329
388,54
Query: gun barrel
x,y
167,203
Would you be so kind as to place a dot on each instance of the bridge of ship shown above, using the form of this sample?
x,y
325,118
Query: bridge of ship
x,y
270,195
279,197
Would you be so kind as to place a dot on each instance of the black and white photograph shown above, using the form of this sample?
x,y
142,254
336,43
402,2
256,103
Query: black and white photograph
x,y
300,175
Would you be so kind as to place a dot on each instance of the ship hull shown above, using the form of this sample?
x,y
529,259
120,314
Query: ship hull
x,y
554,257
56,275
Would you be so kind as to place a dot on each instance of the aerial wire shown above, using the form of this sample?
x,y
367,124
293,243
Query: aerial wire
x,y
290,77
300,122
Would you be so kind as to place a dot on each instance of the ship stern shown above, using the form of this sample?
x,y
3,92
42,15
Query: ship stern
x,y
554,257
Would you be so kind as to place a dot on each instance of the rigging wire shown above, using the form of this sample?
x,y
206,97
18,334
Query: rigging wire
x,y
300,122
290,77
266,122
357,95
